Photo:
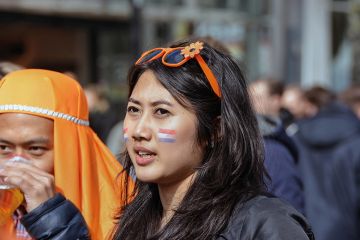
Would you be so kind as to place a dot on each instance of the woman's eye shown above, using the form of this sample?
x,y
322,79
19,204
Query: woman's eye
x,y
161,111
132,109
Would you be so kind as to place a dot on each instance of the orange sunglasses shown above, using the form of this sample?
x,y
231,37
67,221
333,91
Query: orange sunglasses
x,y
175,57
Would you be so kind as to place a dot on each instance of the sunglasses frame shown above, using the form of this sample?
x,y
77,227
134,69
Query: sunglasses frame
x,y
164,52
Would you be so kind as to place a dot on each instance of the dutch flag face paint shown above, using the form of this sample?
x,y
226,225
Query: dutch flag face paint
x,y
166,135
125,134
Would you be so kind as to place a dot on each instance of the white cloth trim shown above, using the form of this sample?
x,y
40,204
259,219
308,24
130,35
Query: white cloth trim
x,y
16,107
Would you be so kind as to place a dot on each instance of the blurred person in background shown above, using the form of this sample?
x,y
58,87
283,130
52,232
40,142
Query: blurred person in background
x,y
319,99
281,159
115,140
344,176
102,114
294,101
294,107
280,150
44,118
266,96
351,97
330,126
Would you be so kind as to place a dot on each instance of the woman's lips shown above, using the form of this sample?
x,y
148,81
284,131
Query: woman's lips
x,y
144,156
143,160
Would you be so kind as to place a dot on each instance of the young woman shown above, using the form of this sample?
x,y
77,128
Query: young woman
x,y
193,141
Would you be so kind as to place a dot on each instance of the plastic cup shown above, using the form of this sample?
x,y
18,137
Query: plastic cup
x,y
10,196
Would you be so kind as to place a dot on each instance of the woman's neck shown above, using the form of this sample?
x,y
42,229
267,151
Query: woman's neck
x,y
171,196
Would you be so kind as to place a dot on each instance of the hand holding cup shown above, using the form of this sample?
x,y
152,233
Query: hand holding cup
x,y
10,196
36,185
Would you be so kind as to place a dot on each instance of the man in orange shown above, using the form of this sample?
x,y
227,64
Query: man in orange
x,y
44,119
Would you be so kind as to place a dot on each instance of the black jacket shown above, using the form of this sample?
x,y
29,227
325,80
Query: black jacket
x,y
266,218
56,219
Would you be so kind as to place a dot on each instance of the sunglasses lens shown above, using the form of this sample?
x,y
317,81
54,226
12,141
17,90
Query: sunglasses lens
x,y
150,55
174,57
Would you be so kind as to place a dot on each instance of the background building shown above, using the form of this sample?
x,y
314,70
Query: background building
x,y
304,41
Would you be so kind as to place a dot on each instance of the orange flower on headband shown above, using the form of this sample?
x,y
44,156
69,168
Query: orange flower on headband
x,y
192,49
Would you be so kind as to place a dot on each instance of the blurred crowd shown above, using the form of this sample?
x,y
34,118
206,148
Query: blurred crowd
x,y
324,128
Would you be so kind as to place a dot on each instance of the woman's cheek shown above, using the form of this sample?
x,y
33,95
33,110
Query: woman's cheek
x,y
166,135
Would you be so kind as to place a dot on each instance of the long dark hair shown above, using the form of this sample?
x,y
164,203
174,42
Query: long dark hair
x,y
232,168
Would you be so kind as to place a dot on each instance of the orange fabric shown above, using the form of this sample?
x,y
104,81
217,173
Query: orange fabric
x,y
85,170
7,231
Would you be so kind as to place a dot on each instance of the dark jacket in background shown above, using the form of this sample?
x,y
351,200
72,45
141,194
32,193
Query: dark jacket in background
x,y
345,180
318,140
280,162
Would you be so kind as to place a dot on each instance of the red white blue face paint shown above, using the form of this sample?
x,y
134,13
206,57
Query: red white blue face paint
x,y
166,135
126,138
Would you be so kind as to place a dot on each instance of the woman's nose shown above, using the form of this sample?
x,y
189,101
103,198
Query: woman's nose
x,y
142,130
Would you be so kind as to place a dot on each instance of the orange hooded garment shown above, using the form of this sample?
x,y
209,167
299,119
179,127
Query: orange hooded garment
x,y
84,168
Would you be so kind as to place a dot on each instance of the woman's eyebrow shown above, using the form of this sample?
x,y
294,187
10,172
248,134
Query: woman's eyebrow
x,y
154,103
134,101
159,102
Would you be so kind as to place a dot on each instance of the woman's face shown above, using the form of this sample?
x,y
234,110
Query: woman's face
x,y
160,134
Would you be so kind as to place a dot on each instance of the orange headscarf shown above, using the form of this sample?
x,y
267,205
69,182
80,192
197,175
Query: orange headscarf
x,y
85,170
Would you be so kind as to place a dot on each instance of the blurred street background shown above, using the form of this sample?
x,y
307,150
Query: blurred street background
x,y
306,42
